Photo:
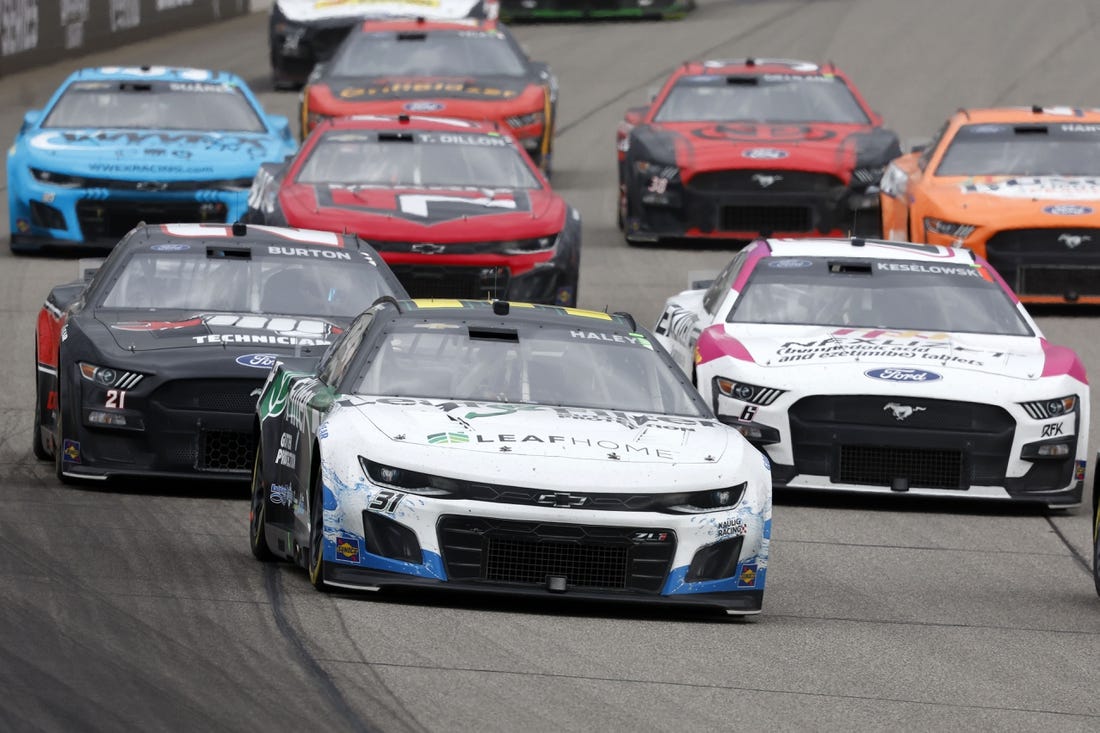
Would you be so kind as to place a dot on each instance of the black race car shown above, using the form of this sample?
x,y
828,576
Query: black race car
x,y
152,364
304,32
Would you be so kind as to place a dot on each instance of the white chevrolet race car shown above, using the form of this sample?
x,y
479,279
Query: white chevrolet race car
x,y
507,448
872,366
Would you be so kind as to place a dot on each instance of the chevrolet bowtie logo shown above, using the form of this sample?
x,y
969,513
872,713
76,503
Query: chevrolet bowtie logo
x,y
428,248
564,501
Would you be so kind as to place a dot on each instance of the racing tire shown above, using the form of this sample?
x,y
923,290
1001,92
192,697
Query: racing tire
x,y
317,535
257,515
1096,531
40,451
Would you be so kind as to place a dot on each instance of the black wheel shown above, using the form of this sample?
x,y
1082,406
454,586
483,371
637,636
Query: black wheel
x,y
257,514
40,451
317,535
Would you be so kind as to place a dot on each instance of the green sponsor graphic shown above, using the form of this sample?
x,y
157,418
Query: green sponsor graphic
x,y
274,399
437,438
642,340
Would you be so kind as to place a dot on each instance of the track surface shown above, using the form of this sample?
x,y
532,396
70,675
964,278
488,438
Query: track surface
x,y
143,609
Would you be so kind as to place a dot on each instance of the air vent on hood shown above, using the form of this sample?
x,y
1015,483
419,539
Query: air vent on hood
x,y
395,137
229,253
850,268
1030,129
494,334
743,81
412,36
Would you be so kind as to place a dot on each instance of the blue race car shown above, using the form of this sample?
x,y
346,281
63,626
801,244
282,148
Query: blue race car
x,y
117,146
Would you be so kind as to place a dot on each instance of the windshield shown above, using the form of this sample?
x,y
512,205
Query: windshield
x,y
432,53
421,159
1069,149
894,294
156,106
283,285
766,98
546,365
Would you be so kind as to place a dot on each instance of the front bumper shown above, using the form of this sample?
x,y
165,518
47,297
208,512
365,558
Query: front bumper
x,y
736,204
1048,265
542,551
531,10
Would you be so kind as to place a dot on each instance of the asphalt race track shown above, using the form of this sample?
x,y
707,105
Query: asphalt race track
x,y
141,608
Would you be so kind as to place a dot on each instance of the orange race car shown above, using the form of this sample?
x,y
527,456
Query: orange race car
x,y
1020,186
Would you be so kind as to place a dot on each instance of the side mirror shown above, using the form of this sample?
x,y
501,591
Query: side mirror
x,y
541,68
281,125
919,147
651,95
30,119
635,115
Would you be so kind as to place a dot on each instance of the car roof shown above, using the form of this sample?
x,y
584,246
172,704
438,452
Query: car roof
x,y
874,249
240,235
487,310
753,65
408,122
374,25
155,73
990,115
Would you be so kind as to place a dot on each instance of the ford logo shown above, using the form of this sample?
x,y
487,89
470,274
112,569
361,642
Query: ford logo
x,y
764,154
902,374
423,107
1067,210
257,361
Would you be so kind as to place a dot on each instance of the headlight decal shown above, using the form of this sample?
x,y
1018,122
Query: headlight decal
x,y
1047,409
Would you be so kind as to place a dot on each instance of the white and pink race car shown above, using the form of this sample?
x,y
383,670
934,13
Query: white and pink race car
x,y
872,366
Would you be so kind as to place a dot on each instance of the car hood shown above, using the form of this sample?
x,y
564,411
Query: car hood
x,y
866,350
1044,201
706,146
436,215
304,11
146,331
150,154
450,429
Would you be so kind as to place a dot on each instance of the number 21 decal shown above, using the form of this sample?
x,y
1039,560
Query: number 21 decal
x,y
116,398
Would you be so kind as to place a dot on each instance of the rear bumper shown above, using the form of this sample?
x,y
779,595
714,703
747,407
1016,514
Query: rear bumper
x,y
533,10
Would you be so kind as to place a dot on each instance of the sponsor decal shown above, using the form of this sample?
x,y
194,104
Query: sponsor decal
x,y
22,225
902,412
1052,430
747,578
902,374
347,548
733,526
283,331
418,205
1067,210
787,263
610,445
288,445
885,344
448,88
437,438
677,323
171,247
1079,470
644,538
70,451
961,271
257,361
327,254
281,494
763,133
634,338
322,432
1039,188
424,106
764,154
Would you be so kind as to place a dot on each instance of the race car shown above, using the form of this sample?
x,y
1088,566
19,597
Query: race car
x,y
455,207
508,448
535,10
1019,186
152,365
885,367
471,69
304,32
736,149
116,146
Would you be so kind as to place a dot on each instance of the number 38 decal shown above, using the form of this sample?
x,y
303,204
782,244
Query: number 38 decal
x,y
657,184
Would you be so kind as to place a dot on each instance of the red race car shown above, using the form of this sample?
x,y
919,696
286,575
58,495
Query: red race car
x,y
471,69
737,149
456,207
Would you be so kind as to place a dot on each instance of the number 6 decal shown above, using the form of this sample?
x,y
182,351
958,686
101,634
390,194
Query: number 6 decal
x,y
116,398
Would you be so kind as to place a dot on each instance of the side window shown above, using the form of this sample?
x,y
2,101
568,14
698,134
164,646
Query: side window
x,y
342,353
926,154
721,285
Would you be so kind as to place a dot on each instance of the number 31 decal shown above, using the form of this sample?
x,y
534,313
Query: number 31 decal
x,y
386,501
116,398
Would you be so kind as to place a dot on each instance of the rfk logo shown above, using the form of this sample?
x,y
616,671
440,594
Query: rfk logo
x,y
902,412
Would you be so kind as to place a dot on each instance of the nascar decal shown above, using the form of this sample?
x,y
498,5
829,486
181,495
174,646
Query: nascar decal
x,y
1073,189
230,329
763,133
425,206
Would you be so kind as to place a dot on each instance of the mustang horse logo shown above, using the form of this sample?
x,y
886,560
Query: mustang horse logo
x,y
902,412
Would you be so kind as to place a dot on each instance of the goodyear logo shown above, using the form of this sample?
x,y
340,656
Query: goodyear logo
x,y
347,548
747,579
438,438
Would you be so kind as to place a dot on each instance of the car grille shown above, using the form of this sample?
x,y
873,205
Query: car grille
x,y
114,218
873,440
879,466
225,450
1056,262
475,283
210,395
527,553
764,181
1057,280
1050,242
767,219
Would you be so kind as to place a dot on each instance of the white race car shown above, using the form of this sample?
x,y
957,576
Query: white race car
x,y
872,366
508,448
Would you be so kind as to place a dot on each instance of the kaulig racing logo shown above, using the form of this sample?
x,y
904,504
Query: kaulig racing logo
x,y
901,374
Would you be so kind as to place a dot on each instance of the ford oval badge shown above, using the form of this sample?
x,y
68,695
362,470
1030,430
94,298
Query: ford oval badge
x,y
902,374
257,361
